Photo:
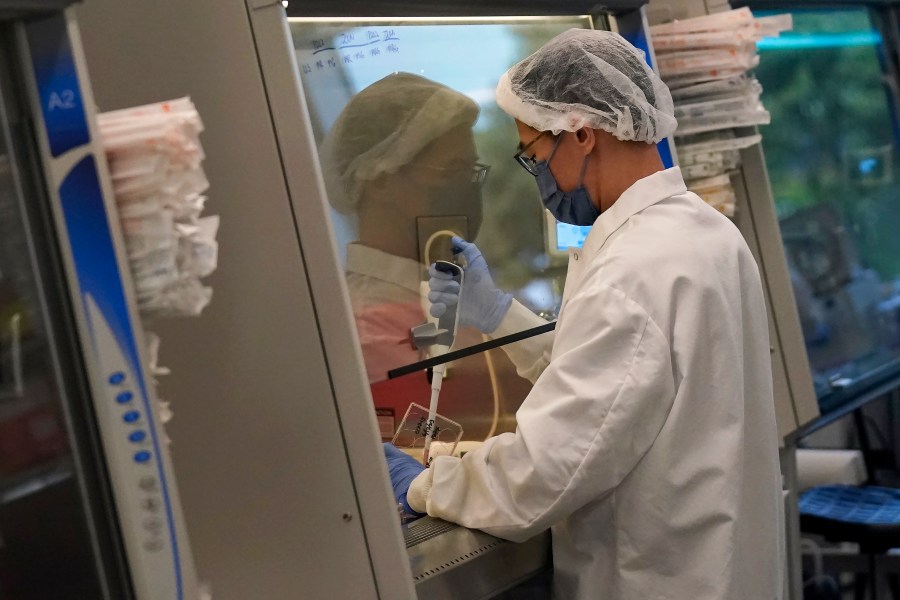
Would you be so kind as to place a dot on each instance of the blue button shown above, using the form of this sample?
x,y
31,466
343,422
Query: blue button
x,y
137,436
131,416
117,378
142,456
124,397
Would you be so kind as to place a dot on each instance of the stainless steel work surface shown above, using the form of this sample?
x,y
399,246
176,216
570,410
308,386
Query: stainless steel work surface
x,y
449,561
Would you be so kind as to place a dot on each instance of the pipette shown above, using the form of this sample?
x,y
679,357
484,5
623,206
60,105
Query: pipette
x,y
437,379
448,323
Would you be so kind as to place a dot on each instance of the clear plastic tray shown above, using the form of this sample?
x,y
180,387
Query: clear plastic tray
x,y
416,427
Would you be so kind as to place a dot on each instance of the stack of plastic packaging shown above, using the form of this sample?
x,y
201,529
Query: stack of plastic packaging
x,y
154,157
706,61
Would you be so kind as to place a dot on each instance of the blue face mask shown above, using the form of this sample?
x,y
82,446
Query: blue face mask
x,y
575,207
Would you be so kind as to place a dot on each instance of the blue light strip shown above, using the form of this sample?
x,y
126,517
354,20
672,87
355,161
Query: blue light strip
x,y
817,41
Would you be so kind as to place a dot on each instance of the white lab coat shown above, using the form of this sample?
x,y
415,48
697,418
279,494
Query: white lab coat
x,y
648,444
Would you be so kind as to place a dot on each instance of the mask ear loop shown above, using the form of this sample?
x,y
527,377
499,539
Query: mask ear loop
x,y
555,146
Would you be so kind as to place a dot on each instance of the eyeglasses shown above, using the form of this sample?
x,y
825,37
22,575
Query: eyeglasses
x,y
528,162
478,171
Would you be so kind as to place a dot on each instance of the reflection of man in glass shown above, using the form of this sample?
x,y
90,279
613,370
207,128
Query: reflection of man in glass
x,y
403,149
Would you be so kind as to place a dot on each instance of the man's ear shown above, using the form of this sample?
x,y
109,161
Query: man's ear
x,y
586,139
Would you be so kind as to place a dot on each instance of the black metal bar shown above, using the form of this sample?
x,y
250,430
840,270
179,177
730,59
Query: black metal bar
x,y
464,352
830,417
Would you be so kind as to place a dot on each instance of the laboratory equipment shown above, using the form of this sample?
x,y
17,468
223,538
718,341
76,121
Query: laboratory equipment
x,y
316,322
441,341
154,155
89,507
279,91
444,307
421,430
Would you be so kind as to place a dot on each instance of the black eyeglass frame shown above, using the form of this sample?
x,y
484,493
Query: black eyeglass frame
x,y
528,163
479,171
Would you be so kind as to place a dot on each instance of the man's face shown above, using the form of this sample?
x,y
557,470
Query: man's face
x,y
566,162
440,180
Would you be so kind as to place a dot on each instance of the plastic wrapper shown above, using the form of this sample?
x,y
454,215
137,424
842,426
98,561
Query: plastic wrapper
x,y
163,408
716,89
722,160
721,21
702,61
774,25
710,164
154,270
718,107
154,342
715,142
710,184
705,39
717,192
731,36
185,297
155,155
722,200
700,170
727,121
676,82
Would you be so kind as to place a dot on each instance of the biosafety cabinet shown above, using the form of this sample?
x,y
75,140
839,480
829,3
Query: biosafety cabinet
x,y
89,507
346,143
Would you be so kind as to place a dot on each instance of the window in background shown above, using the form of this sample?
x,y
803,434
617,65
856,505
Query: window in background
x,y
831,152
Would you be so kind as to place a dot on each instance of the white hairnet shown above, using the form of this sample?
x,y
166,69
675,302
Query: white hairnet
x,y
383,128
586,78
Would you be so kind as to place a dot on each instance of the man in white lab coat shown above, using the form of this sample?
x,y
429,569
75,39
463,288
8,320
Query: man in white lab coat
x,y
648,443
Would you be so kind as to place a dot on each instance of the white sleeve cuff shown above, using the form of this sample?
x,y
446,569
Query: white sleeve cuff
x,y
419,489
517,318
530,356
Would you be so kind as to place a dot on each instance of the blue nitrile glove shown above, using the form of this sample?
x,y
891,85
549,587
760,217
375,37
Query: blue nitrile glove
x,y
403,468
483,305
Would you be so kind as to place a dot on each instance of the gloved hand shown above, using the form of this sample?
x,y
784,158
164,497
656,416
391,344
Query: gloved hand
x,y
482,305
403,469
